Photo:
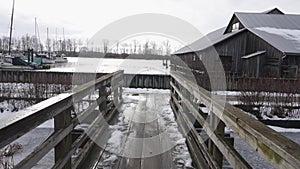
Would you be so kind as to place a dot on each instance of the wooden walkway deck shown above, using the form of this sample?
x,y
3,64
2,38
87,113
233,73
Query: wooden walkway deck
x,y
142,141
142,129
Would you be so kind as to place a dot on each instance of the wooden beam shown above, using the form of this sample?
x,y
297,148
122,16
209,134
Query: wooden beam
x,y
44,148
275,148
63,147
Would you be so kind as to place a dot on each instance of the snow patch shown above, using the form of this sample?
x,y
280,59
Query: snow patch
x,y
284,130
108,65
289,34
180,153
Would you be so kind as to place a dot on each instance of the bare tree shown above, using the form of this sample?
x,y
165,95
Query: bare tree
x,y
5,43
135,45
153,46
70,45
117,47
124,47
75,45
146,47
167,47
140,51
105,45
18,44
48,44
160,50
1,43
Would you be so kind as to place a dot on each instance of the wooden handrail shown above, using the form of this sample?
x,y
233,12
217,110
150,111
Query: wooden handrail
x,y
280,151
16,125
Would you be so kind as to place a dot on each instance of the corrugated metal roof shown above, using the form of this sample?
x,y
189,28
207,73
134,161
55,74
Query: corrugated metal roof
x,y
252,20
207,41
281,31
271,11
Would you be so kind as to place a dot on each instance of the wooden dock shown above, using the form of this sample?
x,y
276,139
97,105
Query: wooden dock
x,y
208,145
143,144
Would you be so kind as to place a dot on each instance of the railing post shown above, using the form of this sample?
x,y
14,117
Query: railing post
x,y
218,126
117,93
103,105
121,88
116,96
61,121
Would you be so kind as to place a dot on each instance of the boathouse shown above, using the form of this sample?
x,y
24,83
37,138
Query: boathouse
x,y
263,44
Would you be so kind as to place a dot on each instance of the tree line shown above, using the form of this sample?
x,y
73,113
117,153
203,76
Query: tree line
x,y
133,47
72,45
31,42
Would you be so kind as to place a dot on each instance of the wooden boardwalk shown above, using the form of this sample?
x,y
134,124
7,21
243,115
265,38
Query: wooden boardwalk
x,y
143,132
137,150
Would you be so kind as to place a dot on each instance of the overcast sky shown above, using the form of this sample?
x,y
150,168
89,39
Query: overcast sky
x,y
83,18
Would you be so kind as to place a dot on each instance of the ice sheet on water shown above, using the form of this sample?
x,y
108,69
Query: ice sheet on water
x,y
107,65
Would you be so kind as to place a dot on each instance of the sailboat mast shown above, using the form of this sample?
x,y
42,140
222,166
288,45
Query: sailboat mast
x,y
11,26
64,41
48,43
56,42
35,35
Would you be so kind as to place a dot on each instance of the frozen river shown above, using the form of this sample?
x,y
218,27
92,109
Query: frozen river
x,y
106,65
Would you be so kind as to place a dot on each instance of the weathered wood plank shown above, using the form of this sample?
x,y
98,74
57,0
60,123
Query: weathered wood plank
x,y
61,149
200,160
277,149
14,127
59,107
44,148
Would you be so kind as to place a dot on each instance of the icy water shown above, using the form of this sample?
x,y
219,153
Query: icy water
x,y
253,157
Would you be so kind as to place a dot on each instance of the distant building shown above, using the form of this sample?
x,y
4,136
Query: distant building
x,y
253,45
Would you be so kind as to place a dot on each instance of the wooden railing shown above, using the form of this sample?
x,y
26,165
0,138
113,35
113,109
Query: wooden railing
x,y
147,81
107,88
239,82
278,150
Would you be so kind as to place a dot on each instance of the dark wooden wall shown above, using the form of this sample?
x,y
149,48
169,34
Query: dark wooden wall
x,y
273,57
234,48
146,81
67,78
43,77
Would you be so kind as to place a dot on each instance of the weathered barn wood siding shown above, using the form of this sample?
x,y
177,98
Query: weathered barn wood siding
x,y
273,57
234,47
67,78
41,77
291,66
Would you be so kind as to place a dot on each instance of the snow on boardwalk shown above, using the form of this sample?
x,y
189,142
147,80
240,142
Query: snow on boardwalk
x,y
146,134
